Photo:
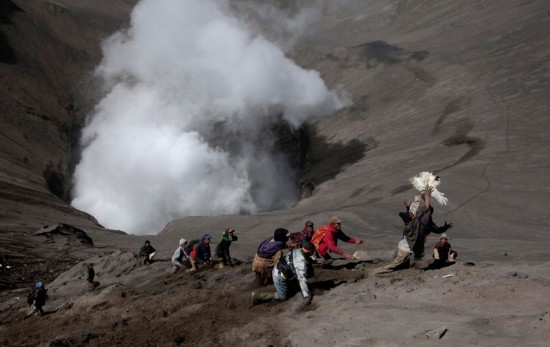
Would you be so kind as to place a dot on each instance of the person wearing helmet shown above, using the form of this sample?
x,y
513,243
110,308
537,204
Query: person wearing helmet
x,y
180,255
200,254
37,299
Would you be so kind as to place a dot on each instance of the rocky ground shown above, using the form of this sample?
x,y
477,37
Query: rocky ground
x,y
460,88
465,304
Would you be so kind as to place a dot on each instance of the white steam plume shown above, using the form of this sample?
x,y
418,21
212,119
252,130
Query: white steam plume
x,y
184,128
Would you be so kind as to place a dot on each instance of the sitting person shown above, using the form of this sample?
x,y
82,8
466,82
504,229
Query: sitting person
x,y
222,250
267,255
200,253
295,239
296,266
443,254
147,252
180,255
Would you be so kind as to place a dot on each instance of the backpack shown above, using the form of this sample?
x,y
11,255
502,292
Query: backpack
x,y
190,245
286,267
268,249
31,297
319,235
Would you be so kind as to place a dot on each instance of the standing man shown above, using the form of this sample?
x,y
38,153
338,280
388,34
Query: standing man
x,y
421,224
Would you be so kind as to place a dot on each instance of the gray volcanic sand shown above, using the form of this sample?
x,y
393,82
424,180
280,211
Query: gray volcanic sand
x,y
458,88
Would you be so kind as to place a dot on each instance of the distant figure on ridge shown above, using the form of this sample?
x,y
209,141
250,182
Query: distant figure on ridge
x,y
90,277
326,239
268,253
147,252
37,299
222,250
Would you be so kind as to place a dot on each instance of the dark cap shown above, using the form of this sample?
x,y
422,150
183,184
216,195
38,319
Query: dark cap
x,y
281,234
308,247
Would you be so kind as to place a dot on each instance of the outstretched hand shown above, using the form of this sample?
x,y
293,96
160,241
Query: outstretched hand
x,y
448,226
360,242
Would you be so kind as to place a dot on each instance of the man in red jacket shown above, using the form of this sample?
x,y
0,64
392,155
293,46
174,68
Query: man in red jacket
x,y
326,239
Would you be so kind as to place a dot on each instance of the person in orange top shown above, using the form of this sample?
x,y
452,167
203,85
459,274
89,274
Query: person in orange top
x,y
326,239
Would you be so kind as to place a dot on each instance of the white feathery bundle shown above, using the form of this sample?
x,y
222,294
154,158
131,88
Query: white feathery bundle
x,y
425,179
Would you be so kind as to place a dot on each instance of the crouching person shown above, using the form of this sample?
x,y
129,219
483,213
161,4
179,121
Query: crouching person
x,y
402,259
201,254
296,266
443,254
267,255
147,253
180,255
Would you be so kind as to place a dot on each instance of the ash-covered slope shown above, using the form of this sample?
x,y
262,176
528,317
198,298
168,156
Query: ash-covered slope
x,y
460,89
456,88
48,50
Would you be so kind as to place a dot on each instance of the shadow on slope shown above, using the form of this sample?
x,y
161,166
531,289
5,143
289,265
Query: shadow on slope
x,y
325,160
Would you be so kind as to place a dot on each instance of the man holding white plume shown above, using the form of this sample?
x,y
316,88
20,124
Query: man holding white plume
x,y
420,223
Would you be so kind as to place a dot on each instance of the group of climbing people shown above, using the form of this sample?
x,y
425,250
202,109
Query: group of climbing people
x,y
311,246
305,248
286,259
195,253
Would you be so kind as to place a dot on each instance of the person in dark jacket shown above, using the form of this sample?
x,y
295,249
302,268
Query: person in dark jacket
x,y
200,254
222,250
421,224
268,253
147,252
91,275
443,254
37,299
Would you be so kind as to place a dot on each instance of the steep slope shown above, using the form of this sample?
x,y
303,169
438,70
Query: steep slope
x,y
455,88
53,46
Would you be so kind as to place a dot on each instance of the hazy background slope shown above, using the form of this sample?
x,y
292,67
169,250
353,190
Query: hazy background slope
x,y
459,88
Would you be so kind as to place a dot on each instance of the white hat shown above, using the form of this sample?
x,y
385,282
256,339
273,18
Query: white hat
x,y
443,236
182,241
